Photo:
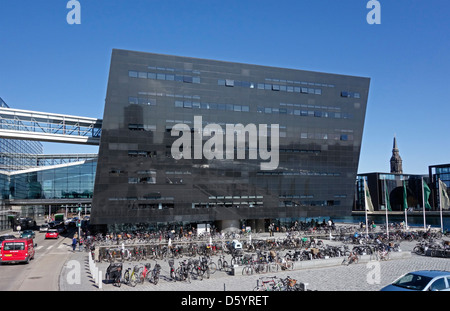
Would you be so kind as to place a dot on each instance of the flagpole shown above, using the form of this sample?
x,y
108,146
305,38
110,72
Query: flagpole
x,y
440,204
423,203
386,208
365,208
405,207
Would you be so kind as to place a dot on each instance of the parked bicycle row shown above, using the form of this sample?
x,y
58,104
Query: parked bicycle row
x,y
187,270
433,248
279,284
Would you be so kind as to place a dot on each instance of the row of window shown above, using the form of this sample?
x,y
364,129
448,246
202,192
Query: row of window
x,y
211,106
270,86
299,173
267,110
169,69
305,113
350,94
163,76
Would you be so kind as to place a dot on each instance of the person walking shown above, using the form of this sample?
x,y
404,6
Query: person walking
x,y
74,243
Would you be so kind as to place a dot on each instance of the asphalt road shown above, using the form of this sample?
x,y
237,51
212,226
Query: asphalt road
x,y
42,273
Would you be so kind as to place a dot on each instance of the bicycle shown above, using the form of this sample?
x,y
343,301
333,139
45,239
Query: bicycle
x,y
212,267
352,258
154,275
222,264
267,284
173,275
183,271
130,276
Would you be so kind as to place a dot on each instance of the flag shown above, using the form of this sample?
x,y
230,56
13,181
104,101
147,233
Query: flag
x,y
405,196
443,195
426,192
367,198
386,192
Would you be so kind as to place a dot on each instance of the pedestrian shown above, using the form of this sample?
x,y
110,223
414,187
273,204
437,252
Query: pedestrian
x,y
74,243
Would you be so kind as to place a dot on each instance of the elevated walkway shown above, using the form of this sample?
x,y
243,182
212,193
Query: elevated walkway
x,y
49,127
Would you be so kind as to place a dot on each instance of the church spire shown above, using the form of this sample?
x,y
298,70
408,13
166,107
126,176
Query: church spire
x,y
396,160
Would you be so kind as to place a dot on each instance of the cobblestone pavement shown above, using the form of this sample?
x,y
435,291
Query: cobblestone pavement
x,y
364,276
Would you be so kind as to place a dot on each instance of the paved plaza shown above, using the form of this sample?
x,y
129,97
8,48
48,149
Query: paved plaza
x,y
322,275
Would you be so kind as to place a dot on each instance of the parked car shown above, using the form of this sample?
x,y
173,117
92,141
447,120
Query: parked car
x,y
17,250
52,234
28,234
423,280
43,228
7,237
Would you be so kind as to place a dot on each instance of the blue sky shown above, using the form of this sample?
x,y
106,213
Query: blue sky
x,y
50,66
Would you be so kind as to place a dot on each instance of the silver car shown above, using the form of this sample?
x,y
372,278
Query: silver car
x,y
423,280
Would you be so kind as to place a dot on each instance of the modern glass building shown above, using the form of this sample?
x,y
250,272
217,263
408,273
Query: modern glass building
x,y
196,140
387,190
40,191
15,153
436,173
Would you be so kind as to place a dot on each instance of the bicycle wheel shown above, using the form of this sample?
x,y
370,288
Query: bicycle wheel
x,y
156,279
117,281
126,277
173,275
273,267
133,280
212,267
289,265
248,270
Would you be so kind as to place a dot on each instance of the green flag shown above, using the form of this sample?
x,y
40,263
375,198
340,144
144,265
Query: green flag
x,y
405,197
426,193
386,192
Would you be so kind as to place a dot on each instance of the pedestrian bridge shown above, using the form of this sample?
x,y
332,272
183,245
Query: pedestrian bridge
x,y
49,127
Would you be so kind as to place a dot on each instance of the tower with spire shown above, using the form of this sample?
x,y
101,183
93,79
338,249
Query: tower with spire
x,y
396,160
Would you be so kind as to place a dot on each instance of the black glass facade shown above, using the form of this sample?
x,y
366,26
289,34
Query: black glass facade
x,y
192,140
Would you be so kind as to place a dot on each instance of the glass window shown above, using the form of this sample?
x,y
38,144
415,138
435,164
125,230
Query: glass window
x,y
170,77
151,75
187,79
229,82
161,76
221,82
275,87
178,104
196,80
133,74
438,285
142,75
132,100
245,108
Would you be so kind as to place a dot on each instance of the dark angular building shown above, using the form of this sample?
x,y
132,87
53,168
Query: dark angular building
x,y
195,140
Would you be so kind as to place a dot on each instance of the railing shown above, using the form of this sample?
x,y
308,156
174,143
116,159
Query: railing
x,y
41,126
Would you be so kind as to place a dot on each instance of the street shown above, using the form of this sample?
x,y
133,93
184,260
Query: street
x,y
42,273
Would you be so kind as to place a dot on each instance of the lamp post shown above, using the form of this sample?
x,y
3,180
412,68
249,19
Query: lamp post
x,y
79,221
